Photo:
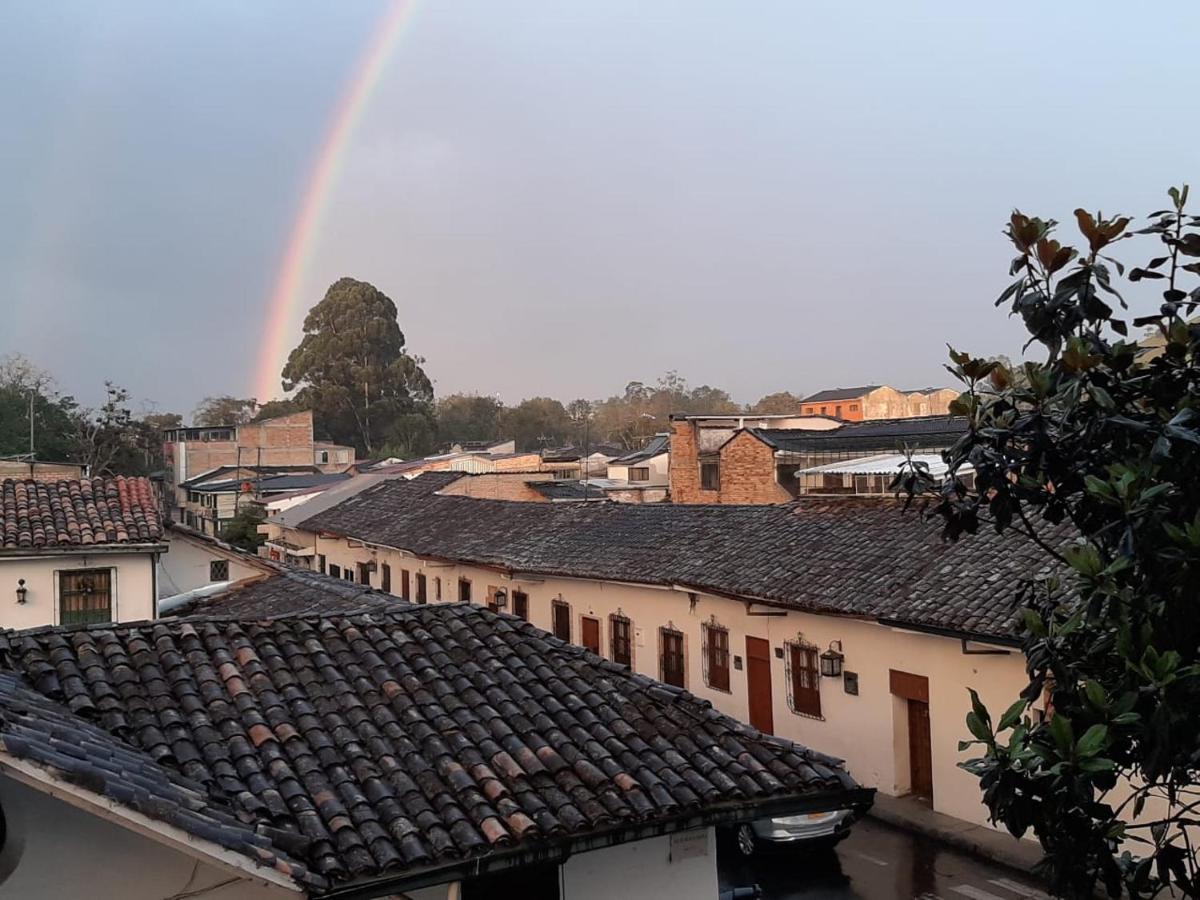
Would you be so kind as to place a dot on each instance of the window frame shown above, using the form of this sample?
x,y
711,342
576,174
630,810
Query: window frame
x,y
666,634
615,640
716,671
405,583
464,590
385,578
560,607
86,616
803,700
216,566
639,473
422,590
335,571
363,573
520,605
710,484
599,648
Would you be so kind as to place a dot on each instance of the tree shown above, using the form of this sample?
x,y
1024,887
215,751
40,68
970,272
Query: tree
x,y
54,424
1093,454
352,370
105,436
242,529
537,423
273,409
468,417
781,403
224,410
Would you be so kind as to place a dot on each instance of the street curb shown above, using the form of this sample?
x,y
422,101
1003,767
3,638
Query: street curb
x,y
977,840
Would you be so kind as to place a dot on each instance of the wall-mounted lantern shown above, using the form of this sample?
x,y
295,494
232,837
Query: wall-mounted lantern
x,y
831,660
500,598
21,590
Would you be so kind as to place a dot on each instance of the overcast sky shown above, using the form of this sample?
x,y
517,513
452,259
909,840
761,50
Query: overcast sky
x,y
564,196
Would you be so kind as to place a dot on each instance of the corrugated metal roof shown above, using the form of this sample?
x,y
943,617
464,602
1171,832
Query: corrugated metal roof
x,y
882,464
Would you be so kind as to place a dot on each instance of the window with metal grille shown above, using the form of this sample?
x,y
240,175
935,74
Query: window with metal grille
x,y
672,656
716,656
520,604
84,596
218,570
464,590
803,679
421,598
560,614
385,578
710,476
618,639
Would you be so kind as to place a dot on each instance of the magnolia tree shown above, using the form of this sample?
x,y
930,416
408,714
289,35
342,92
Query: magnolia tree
x,y
1094,454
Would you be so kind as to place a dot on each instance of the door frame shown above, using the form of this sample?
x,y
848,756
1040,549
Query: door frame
x,y
758,650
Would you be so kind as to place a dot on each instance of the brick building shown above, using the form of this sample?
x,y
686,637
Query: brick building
x,y
878,401
731,460
284,441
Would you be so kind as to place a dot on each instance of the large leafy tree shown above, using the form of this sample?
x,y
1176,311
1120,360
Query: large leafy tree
x,y
23,386
352,370
781,403
468,417
1094,453
537,423
224,410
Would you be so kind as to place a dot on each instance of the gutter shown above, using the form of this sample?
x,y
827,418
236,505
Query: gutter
x,y
859,799
998,640
81,550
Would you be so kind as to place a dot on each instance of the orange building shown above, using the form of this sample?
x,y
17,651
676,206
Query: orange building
x,y
878,401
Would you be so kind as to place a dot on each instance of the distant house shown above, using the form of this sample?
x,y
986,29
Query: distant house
x,y
712,462
199,562
878,401
283,441
208,502
648,466
302,737
29,468
78,552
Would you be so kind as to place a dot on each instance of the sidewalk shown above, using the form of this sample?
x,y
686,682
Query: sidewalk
x,y
986,843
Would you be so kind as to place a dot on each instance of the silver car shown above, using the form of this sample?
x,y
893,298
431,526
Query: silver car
x,y
822,829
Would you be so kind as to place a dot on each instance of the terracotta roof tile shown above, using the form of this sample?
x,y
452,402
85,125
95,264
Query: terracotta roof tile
x,y
500,735
38,515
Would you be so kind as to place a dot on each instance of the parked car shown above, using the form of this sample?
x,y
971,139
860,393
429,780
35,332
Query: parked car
x,y
813,831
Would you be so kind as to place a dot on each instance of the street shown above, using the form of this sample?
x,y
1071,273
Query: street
x,y
877,862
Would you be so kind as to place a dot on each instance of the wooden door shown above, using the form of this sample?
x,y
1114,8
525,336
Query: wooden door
x,y
590,631
758,684
920,751
404,585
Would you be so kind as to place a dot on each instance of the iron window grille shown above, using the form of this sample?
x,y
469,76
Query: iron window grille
x,y
218,570
85,597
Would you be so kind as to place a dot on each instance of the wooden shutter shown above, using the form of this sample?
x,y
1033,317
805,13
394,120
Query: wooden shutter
x,y
561,614
716,648
520,604
806,680
672,657
590,634
385,578
421,598
619,641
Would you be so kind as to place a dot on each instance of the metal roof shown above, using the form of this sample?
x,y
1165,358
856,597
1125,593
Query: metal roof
x,y
881,464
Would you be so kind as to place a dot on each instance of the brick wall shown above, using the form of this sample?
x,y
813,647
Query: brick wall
x,y
748,472
40,471
499,486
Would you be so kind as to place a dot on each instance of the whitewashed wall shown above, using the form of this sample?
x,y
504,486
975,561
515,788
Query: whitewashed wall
x,y
186,566
657,868
55,851
132,583
869,730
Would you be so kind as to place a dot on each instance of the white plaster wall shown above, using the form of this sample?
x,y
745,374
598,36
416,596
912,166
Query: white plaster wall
x,y
60,851
185,566
659,467
641,870
132,585
869,730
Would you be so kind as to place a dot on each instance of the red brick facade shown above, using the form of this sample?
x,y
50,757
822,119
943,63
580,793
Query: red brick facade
x,y
746,469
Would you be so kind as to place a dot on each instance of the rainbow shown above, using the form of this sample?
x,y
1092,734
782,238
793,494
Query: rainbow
x,y
284,306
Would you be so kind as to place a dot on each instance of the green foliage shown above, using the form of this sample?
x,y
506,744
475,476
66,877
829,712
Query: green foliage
x,y
468,417
781,403
352,370
537,423
224,410
242,529
1094,454
274,408
642,411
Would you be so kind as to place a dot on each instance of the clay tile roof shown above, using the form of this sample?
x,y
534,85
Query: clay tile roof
x,y
853,556
38,515
378,743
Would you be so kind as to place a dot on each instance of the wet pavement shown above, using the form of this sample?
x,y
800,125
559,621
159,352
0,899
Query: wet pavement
x,y
876,862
